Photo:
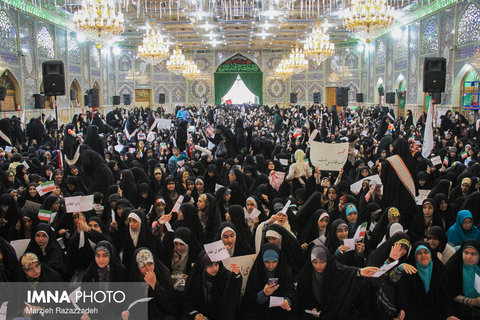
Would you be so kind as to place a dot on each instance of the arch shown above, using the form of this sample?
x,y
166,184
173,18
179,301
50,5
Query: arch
x,y
245,54
457,86
45,43
468,27
78,100
238,65
8,79
100,97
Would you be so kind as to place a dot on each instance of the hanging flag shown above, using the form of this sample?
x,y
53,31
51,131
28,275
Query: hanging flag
x,y
44,215
428,136
464,155
61,162
411,139
445,161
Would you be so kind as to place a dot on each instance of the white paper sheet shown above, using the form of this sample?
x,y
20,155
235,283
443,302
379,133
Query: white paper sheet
x,y
350,243
216,251
384,269
20,246
276,301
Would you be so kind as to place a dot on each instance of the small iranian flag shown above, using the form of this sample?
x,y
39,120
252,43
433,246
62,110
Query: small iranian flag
x,y
46,187
445,161
44,215
464,155
361,230
411,139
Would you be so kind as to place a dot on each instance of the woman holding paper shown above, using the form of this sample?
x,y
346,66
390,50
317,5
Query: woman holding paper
x,y
345,250
212,292
233,240
327,289
464,278
270,292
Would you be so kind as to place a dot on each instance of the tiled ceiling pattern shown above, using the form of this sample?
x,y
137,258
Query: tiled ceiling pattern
x,y
246,26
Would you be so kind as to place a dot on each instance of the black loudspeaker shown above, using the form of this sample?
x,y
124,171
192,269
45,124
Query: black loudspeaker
x,y
73,94
381,91
434,74
342,96
95,93
390,97
87,100
39,101
316,97
293,97
161,98
126,99
437,97
53,78
116,100
359,97
3,93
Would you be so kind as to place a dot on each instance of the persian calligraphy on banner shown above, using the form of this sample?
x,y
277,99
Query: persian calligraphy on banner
x,y
245,263
329,156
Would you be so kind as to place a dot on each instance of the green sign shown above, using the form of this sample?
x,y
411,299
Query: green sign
x,y
234,67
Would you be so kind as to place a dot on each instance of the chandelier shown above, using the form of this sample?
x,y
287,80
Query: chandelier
x,y
99,19
176,63
284,69
153,50
368,16
318,46
297,60
191,70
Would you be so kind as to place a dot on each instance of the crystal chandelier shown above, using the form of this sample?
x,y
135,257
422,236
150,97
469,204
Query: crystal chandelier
x,y
297,60
153,50
99,20
365,17
284,69
176,63
191,70
318,46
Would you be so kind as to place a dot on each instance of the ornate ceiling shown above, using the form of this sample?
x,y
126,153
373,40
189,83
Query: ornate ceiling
x,y
231,24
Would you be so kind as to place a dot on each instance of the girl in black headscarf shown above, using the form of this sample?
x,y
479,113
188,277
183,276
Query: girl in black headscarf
x,y
223,201
236,215
328,287
269,276
422,222
212,291
169,193
233,240
34,270
444,211
316,228
462,270
207,212
424,295
45,246
129,188
23,229
94,141
335,244
8,214
106,266
138,235
188,218
437,239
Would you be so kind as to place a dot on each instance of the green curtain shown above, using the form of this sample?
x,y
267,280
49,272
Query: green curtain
x,y
254,83
223,82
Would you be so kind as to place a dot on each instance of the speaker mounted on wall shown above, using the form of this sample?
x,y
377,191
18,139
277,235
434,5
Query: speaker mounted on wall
x,y
126,99
434,74
342,96
293,97
53,78
390,97
316,97
161,98
95,94
359,97
116,100
39,101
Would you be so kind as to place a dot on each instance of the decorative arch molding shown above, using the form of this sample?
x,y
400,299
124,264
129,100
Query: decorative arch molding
x,y
16,85
245,54
399,80
74,84
457,85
